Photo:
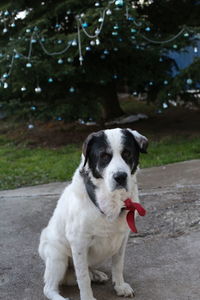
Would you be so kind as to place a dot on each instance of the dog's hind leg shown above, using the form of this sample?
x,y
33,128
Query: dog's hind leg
x,y
54,273
98,276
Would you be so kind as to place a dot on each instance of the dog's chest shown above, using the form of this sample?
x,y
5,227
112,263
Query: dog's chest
x,y
104,245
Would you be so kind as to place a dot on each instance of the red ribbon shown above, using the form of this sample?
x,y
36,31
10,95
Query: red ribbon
x,y
130,218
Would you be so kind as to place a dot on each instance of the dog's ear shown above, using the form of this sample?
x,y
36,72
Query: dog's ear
x,y
141,140
88,144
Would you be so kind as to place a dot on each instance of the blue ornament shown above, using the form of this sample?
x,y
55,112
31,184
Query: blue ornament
x,y
148,29
115,76
29,65
70,60
5,30
186,34
97,42
160,59
60,61
97,31
195,49
119,3
28,30
150,83
189,81
165,105
88,48
31,126
1,55
108,12
175,46
74,43
114,33
13,25
165,82
33,108
38,89
106,52
33,41
85,25
5,75
16,56
131,19
6,13
58,118
57,26
71,89
116,27
23,88
50,80
133,30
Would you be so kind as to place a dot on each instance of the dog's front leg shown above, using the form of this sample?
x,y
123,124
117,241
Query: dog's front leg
x,y
121,287
80,258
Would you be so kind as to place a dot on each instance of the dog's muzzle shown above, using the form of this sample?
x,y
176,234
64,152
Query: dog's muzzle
x,y
120,179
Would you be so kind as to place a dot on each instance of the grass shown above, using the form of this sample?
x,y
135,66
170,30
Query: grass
x,y
22,166
170,150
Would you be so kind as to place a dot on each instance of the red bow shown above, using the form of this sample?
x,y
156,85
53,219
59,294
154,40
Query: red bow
x,y
130,218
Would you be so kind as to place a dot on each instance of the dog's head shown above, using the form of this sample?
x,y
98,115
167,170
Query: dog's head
x,y
111,157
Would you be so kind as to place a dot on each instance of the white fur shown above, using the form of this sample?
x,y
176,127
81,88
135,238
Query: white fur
x,y
79,234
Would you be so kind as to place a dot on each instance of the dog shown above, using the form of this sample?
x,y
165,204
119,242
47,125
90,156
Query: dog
x,y
88,225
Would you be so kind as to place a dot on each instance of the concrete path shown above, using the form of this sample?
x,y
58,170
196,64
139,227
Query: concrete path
x,y
162,260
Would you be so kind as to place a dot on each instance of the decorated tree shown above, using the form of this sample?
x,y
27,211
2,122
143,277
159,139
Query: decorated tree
x,y
69,59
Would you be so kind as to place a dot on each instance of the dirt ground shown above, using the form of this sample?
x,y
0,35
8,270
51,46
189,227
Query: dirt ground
x,y
54,134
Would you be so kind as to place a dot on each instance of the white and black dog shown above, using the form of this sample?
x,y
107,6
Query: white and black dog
x,y
89,223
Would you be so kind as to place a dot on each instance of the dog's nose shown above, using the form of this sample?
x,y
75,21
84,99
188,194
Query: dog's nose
x,y
120,178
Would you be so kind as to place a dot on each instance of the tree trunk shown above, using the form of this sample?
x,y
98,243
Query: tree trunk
x,y
110,102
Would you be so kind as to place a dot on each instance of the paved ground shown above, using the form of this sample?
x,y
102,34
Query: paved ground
x,y
162,261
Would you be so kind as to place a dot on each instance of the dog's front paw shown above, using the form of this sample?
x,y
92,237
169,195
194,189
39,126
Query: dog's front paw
x,y
124,289
98,276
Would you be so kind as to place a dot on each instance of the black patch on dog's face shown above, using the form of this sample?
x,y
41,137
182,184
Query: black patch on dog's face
x,y
130,151
98,154
90,187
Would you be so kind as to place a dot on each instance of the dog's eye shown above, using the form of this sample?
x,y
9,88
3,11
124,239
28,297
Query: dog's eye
x,y
126,154
105,157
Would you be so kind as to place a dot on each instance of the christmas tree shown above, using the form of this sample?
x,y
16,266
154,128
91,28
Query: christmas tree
x,y
69,59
